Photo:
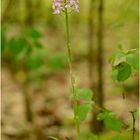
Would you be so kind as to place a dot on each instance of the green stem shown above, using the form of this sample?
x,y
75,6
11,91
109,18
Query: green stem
x,y
72,78
133,131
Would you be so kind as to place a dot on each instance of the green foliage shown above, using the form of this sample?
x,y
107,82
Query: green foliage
x,y
82,111
23,49
121,72
109,135
135,112
133,60
57,60
123,62
115,55
26,51
117,138
92,136
16,45
33,33
84,93
110,120
112,123
38,45
114,74
34,61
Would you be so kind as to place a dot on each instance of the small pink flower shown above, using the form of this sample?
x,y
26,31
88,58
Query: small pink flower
x,y
59,5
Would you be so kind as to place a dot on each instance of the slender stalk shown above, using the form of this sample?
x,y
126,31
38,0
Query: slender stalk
x,y
134,120
72,78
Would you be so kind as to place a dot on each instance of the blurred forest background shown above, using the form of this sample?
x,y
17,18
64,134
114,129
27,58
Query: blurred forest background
x,y
35,81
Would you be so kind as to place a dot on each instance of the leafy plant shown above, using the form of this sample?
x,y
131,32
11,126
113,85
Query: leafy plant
x,y
92,136
110,120
28,60
85,95
118,137
27,53
134,114
123,62
80,111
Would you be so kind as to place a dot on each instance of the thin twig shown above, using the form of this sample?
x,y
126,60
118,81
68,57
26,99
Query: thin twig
x,y
133,130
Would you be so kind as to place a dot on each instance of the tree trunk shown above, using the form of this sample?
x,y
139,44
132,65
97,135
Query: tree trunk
x,y
27,101
100,58
100,54
7,11
97,126
90,48
38,10
29,12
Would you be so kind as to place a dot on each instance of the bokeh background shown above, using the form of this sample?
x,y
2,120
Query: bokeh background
x,y
35,76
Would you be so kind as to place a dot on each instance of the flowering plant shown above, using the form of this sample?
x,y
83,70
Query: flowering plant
x,y
65,6
60,5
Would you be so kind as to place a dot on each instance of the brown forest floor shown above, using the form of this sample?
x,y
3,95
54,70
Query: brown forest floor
x,y
54,96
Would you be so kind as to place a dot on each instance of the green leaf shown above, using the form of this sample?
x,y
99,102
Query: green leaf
x,y
135,112
33,33
34,61
129,125
16,45
124,71
102,115
114,74
38,45
116,55
110,120
117,138
133,60
113,123
57,60
83,110
84,93
92,136
131,51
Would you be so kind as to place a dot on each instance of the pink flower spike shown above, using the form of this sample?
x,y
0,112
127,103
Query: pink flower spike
x,y
59,5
